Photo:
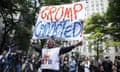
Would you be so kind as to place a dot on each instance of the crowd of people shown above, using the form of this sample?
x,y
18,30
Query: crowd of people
x,y
12,62
17,62
53,59
90,65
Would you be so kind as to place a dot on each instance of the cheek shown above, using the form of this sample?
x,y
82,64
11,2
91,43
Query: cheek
x,y
50,44
54,44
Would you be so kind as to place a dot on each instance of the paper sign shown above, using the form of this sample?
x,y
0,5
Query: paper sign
x,y
64,22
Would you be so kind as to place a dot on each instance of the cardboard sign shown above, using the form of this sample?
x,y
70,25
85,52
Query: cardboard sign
x,y
60,22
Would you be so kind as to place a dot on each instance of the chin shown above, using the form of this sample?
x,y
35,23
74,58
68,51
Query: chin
x,y
50,46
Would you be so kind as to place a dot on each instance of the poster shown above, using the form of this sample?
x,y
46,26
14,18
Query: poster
x,y
62,22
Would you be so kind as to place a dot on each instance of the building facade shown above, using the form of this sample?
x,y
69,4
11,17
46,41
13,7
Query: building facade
x,y
91,7
95,6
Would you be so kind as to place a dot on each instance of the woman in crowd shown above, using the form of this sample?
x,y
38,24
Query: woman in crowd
x,y
86,64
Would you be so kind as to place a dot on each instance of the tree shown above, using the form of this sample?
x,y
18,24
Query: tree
x,y
113,18
26,10
95,27
109,24
7,12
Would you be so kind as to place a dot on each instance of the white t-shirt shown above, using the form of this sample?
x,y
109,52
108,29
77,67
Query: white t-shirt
x,y
50,59
86,66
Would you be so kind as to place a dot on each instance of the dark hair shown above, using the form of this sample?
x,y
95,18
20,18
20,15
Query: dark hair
x,y
67,58
118,58
106,57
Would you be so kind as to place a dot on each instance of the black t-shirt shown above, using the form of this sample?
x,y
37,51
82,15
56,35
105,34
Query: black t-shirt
x,y
107,65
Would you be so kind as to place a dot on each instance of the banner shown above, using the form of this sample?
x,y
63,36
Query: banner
x,y
60,22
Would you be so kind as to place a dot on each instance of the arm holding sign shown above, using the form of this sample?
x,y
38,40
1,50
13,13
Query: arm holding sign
x,y
62,50
69,48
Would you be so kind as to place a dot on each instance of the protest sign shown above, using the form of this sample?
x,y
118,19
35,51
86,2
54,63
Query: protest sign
x,y
60,22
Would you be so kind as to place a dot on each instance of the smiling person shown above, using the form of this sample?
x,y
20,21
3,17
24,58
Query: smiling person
x,y
50,55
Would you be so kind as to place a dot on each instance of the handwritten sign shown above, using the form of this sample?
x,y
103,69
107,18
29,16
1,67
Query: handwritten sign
x,y
60,22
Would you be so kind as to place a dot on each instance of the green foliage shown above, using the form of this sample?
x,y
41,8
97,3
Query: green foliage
x,y
109,24
9,9
96,35
96,28
112,43
113,12
66,1
77,54
113,17
22,37
95,24
54,2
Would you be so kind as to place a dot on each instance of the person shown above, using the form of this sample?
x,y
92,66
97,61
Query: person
x,y
27,66
114,67
34,62
99,65
5,60
18,62
107,64
118,64
50,56
93,66
86,64
73,64
65,66
80,66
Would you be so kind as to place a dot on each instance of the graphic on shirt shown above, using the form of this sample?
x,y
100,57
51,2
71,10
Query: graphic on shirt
x,y
47,59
